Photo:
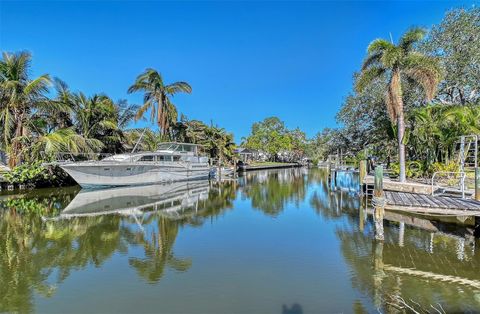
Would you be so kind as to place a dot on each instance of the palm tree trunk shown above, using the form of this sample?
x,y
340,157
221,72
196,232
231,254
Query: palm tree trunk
x,y
14,159
401,146
396,90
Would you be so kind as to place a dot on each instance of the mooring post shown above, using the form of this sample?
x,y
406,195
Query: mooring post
x,y
378,273
362,173
234,167
361,218
379,203
477,183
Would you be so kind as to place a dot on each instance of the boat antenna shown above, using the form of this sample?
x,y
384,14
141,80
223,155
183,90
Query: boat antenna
x,y
139,139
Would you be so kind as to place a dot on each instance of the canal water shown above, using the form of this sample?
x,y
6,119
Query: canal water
x,y
277,241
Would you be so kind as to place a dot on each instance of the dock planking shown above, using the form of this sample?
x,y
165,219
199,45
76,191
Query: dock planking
x,y
399,200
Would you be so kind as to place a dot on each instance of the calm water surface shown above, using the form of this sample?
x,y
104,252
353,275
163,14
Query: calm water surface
x,y
279,241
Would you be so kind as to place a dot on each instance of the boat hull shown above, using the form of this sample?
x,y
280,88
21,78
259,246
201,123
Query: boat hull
x,y
98,175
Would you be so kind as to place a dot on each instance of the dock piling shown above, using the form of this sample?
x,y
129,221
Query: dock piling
x,y
477,184
379,203
362,172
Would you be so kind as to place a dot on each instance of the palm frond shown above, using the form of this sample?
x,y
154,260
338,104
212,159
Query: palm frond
x,y
367,76
392,56
379,45
425,71
146,106
108,124
372,59
38,85
178,87
411,37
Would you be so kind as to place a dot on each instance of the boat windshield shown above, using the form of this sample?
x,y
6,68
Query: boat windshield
x,y
120,157
178,147
167,146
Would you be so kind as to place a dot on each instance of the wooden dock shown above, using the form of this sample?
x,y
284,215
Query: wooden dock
x,y
435,205
408,187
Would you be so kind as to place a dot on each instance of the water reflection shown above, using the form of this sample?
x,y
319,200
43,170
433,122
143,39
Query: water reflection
x,y
41,244
174,200
48,235
269,191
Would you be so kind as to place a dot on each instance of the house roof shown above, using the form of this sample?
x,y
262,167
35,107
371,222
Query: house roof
x,y
246,151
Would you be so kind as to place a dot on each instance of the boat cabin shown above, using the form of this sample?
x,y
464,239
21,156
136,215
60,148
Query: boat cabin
x,y
167,152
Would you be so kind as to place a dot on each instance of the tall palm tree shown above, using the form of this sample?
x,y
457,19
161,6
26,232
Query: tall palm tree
x,y
392,63
157,98
19,96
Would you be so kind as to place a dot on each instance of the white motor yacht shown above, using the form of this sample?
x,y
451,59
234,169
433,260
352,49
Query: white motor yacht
x,y
171,162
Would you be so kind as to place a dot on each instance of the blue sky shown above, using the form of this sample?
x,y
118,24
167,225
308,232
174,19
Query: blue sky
x,y
245,60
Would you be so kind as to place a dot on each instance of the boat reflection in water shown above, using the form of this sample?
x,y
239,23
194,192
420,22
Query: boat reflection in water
x,y
172,200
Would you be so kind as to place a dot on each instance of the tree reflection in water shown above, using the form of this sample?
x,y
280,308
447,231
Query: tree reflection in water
x,y
421,264
159,252
37,254
270,190
32,252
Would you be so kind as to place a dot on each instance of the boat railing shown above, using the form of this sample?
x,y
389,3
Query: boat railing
x,y
448,181
64,157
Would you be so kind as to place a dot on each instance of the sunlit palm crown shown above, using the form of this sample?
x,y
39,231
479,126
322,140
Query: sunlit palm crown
x,y
157,98
18,93
390,63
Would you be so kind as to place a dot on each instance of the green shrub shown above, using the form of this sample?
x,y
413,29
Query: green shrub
x,y
38,175
451,166
413,169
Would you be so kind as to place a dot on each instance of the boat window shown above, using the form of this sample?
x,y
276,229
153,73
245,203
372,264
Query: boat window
x,y
120,157
176,158
147,158
187,148
164,158
178,147
165,146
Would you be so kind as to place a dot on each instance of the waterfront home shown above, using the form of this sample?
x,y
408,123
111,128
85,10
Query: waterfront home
x,y
251,155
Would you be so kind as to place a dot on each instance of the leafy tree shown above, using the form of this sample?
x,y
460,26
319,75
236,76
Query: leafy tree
x,y
299,144
456,41
389,62
269,135
364,118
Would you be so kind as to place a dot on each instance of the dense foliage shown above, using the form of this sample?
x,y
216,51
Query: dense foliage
x,y
215,141
37,126
274,138
432,128
37,175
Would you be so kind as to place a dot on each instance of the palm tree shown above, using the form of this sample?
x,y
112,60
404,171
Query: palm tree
x,y
393,63
150,139
219,143
19,96
95,119
157,98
